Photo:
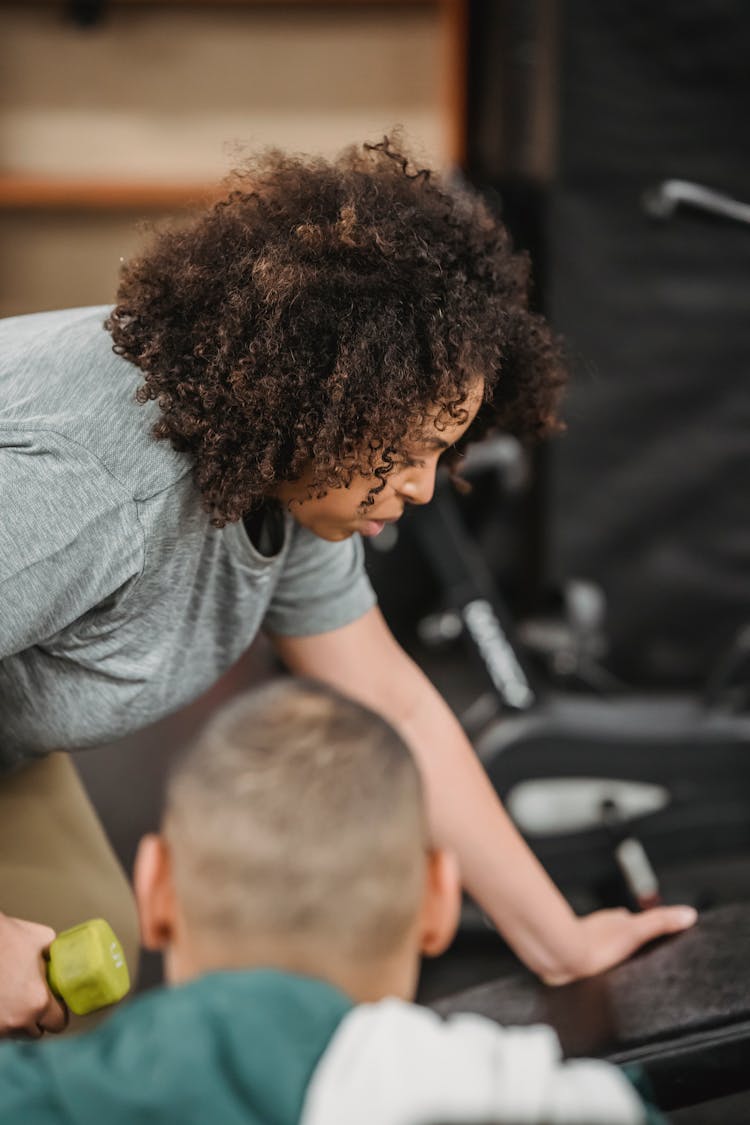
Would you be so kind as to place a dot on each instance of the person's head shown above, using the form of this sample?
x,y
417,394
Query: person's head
x,y
326,330
295,837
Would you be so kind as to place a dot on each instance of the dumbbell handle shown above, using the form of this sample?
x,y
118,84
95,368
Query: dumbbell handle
x,y
86,967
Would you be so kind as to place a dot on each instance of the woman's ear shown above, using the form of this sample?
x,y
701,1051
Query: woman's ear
x,y
154,892
441,906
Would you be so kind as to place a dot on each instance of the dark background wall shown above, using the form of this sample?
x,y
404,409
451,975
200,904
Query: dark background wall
x,y
576,109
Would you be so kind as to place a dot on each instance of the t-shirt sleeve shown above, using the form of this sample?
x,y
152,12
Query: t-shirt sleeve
x,y
402,1064
323,586
69,537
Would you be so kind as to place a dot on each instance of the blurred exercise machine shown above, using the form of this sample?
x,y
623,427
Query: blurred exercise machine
x,y
581,762
681,1011
615,707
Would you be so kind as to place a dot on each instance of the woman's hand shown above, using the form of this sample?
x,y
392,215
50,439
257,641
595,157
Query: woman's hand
x,y
608,937
26,1003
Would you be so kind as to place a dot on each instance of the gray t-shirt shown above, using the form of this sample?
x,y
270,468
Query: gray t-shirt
x,y
119,602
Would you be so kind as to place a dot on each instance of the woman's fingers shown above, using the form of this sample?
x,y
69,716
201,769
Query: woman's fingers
x,y
618,934
611,936
26,1003
662,920
54,1018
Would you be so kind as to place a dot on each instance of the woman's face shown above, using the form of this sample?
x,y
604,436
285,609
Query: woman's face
x,y
339,514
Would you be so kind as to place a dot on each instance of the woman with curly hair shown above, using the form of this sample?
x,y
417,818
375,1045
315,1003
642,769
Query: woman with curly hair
x,y
288,368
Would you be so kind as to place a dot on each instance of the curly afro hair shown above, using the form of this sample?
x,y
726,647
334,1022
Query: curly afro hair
x,y
314,317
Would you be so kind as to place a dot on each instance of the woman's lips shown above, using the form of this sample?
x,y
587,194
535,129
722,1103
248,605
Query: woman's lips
x,y
371,528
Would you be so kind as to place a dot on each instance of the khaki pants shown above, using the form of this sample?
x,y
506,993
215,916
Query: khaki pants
x,y
56,865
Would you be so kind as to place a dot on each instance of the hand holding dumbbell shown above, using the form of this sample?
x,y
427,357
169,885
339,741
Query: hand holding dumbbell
x,y
27,1006
86,967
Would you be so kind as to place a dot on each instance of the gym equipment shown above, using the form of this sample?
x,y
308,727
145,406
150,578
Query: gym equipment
x,y
570,758
681,1009
646,277
86,967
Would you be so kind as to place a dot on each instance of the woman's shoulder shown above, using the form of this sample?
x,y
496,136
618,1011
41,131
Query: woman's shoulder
x,y
60,377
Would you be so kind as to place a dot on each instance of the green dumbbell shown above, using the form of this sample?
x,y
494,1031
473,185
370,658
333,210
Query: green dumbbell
x,y
86,967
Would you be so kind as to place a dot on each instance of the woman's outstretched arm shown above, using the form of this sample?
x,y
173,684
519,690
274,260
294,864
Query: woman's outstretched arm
x,y
364,660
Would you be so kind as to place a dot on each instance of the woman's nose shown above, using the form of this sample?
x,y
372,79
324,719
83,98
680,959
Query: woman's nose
x,y
417,484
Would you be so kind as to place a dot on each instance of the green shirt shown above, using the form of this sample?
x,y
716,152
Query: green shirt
x,y
230,1047
262,1047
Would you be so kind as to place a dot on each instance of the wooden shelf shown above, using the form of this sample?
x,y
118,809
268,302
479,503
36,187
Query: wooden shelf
x,y
36,193
19,192
240,3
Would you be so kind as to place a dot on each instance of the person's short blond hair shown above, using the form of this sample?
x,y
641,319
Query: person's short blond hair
x,y
298,815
